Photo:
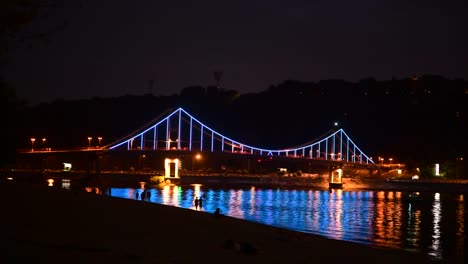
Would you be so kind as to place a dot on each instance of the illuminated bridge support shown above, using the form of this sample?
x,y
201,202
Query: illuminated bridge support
x,y
335,178
167,168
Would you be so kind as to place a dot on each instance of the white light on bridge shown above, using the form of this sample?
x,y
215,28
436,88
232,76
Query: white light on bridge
x,y
437,169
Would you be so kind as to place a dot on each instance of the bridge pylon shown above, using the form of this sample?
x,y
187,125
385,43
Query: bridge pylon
x,y
336,174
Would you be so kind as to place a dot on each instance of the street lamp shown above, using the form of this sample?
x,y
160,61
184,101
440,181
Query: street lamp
x,y
43,143
32,144
197,157
89,142
381,160
99,140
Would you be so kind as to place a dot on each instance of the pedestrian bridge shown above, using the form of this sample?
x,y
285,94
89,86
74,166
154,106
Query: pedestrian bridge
x,y
180,131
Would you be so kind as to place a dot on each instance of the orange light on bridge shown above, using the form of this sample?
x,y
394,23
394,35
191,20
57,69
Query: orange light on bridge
x,y
196,157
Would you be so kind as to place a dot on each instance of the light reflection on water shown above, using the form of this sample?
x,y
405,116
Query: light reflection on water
x,y
435,225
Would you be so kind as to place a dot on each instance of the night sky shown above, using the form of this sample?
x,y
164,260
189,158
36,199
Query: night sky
x,y
113,48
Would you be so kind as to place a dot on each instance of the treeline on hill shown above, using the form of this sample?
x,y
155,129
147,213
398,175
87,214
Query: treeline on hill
x,y
409,119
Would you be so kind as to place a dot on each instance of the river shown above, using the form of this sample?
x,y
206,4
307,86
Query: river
x,y
433,224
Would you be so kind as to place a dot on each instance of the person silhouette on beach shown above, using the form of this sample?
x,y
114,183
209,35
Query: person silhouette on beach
x,y
196,202
217,212
200,202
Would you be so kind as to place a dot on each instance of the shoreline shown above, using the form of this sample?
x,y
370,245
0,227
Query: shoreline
x,y
57,225
263,181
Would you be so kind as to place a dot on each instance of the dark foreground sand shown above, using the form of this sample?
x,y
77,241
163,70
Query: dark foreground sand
x,y
45,225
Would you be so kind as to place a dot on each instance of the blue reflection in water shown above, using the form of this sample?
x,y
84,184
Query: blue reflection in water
x,y
378,218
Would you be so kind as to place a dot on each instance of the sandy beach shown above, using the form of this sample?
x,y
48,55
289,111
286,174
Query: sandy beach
x,y
48,225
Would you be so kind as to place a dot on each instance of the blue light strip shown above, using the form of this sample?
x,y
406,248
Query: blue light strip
x,y
347,149
190,142
222,144
354,153
154,138
141,142
178,135
334,149
201,138
168,144
212,137
341,144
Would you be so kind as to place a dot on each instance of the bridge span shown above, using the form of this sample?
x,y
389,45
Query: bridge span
x,y
181,131
177,141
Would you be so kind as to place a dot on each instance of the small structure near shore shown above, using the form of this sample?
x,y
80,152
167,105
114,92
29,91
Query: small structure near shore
x,y
335,178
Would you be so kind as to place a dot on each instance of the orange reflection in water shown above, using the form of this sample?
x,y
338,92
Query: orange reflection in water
x,y
175,195
387,223
460,216
166,194
50,182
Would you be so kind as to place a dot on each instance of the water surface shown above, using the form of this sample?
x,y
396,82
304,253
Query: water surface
x,y
434,225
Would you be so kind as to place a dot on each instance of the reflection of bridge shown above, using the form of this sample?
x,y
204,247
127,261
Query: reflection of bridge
x,y
180,131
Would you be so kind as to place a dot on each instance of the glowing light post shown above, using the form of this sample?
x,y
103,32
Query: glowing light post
x,y
43,143
381,160
197,157
99,141
89,142
32,144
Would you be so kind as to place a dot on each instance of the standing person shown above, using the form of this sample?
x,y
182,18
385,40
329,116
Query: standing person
x,y
217,212
200,202
196,203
